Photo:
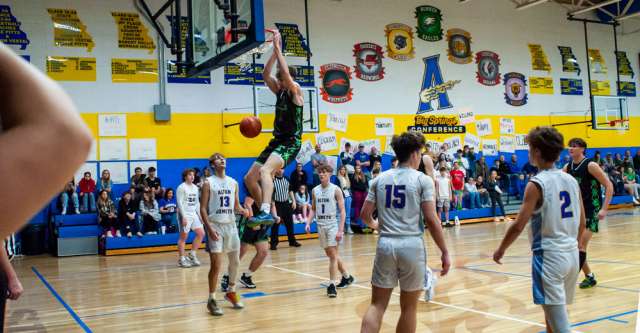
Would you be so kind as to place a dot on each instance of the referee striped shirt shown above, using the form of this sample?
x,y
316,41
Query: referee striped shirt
x,y
281,189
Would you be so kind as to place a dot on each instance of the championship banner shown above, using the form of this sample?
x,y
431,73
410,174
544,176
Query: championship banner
x,y
627,89
336,83
71,68
132,34
68,30
174,77
600,88
399,41
10,32
236,74
597,62
200,46
368,61
134,70
459,46
293,44
571,86
541,85
437,124
539,60
488,72
624,66
569,61
515,86
429,26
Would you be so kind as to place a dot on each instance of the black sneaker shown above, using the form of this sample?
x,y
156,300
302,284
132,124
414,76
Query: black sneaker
x,y
246,281
331,291
588,282
345,282
224,283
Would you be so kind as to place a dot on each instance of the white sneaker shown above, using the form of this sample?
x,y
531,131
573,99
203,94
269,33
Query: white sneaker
x,y
64,212
430,288
139,234
295,219
184,262
109,234
635,202
118,234
193,259
77,211
163,230
457,221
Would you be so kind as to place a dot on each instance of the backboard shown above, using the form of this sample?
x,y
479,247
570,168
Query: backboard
x,y
610,113
222,30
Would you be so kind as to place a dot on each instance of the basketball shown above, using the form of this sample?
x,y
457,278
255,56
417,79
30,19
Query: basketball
x,y
250,126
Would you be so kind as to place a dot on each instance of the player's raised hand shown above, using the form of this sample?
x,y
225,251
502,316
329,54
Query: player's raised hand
x,y
446,264
277,40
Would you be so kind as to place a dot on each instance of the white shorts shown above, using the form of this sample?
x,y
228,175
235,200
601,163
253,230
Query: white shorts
x,y
400,260
443,203
327,235
193,223
228,240
554,277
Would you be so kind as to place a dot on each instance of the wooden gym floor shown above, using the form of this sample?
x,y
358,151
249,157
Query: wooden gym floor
x,y
149,293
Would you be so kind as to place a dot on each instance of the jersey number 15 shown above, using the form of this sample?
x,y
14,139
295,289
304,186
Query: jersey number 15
x,y
395,196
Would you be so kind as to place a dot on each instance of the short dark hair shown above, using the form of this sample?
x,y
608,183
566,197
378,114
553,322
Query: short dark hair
x,y
186,172
87,173
167,192
406,144
459,151
348,144
152,169
325,168
137,168
578,142
443,169
548,141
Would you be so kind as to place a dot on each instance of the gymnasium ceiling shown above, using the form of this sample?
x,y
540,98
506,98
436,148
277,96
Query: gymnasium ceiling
x,y
620,10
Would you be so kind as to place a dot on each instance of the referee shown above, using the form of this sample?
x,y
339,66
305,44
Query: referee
x,y
285,206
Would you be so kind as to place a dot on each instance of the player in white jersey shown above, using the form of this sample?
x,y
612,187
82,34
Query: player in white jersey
x,y
400,195
189,212
325,198
552,202
219,202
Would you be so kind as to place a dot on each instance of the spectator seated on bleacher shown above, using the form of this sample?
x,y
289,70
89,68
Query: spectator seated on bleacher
x,y
482,190
616,178
69,192
520,184
154,183
105,183
472,194
127,211
149,213
107,215
87,193
137,182
631,185
169,212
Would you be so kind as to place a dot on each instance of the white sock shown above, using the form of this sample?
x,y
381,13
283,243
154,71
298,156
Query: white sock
x,y
265,207
247,273
331,282
212,295
345,275
193,253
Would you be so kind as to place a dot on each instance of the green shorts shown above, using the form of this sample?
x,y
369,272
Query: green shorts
x,y
250,236
592,222
287,148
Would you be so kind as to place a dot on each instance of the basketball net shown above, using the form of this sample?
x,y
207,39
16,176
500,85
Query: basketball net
x,y
245,61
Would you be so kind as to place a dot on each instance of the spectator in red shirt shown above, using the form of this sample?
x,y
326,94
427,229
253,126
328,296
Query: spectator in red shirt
x,y
457,183
87,196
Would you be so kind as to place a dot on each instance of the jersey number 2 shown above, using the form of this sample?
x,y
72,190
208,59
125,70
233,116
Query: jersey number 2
x,y
396,196
566,202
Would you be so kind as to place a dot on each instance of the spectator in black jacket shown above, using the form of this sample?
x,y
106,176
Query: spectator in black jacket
x,y
298,177
127,216
636,161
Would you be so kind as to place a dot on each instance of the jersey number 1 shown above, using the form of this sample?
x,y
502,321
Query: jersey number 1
x,y
566,202
396,196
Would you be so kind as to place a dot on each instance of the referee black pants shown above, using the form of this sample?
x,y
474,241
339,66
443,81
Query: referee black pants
x,y
284,211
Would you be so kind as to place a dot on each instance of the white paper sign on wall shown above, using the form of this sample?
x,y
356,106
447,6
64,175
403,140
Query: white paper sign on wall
x,y
384,126
472,140
118,171
304,155
489,147
521,142
434,146
507,144
371,143
327,140
387,147
354,145
113,149
142,149
507,126
483,127
337,121
112,124
454,144
466,116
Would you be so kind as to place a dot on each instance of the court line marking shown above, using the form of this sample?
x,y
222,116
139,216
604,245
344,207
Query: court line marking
x,y
616,243
489,314
618,320
55,294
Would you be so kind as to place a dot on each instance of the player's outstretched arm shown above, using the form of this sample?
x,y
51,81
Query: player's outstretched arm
x,y
39,124
435,229
268,78
596,171
532,197
283,68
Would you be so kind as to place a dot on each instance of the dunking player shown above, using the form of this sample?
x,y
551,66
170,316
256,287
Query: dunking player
x,y
552,203
590,177
400,195
287,133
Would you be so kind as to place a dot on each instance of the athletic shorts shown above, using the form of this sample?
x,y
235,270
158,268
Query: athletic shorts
x,y
193,223
592,222
228,240
287,148
555,275
250,236
400,260
327,235
443,203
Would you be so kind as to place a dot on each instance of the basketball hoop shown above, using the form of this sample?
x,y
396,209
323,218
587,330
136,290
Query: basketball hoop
x,y
619,123
245,61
